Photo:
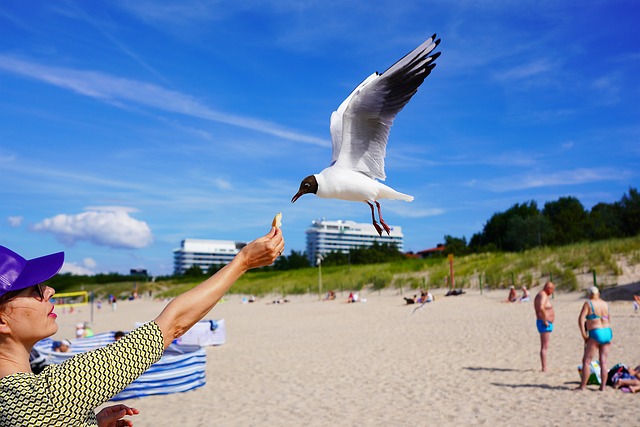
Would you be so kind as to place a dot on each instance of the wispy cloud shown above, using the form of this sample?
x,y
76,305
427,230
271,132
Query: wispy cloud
x,y
413,211
607,89
525,71
15,221
559,178
222,184
79,14
174,13
117,90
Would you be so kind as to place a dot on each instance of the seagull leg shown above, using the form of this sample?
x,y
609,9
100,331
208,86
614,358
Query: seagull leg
x,y
384,224
373,219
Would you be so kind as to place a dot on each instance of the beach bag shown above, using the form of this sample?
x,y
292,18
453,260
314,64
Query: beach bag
x,y
595,377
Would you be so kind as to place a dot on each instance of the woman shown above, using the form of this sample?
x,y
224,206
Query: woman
x,y
68,393
596,332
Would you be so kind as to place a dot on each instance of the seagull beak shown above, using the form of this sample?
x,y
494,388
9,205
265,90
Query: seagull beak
x,y
296,197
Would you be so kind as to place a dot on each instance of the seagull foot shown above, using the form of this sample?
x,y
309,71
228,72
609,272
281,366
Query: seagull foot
x,y
378,228
385,226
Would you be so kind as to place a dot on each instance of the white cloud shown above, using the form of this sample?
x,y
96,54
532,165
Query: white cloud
x,y
15,221
76,270
90,263
109,227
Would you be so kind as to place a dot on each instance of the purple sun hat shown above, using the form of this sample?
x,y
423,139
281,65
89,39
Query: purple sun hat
x,y
18,273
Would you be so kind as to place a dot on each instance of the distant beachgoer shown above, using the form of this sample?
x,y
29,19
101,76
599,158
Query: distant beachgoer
x,y
594,326
79,330
61,346
513,297
545,317
631,380
636,303
410,300
525,294
118,335
87,330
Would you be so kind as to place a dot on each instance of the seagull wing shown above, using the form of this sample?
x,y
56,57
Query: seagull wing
x,y
360,126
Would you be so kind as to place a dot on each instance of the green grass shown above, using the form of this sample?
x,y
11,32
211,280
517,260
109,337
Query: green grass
x,y
495,270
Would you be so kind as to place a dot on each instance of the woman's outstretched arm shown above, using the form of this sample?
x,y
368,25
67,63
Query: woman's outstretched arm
x,y
187,309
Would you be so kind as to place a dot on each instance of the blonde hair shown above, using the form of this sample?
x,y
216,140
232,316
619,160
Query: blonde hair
x,y
593,291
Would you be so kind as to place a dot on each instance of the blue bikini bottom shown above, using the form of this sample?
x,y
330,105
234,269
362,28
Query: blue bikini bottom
x,y
601,335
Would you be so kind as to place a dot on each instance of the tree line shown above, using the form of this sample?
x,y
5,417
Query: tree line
x,y
561,222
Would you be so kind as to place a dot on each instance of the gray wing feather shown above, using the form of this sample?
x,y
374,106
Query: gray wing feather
x,y
360,127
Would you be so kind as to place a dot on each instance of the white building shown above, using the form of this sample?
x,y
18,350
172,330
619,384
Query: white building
x,y
340,236
204,253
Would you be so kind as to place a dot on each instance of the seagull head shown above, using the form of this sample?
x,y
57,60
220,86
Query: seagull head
x,y
308,185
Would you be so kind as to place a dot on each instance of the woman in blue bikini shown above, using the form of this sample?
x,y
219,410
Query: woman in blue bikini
x,y
596,332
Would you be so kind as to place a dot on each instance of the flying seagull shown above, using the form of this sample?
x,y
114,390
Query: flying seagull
x,y
360,129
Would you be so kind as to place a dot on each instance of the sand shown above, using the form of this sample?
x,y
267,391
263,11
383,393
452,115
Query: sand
x,y
461,360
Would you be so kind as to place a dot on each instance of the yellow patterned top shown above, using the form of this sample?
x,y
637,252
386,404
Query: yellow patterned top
x,y
66,394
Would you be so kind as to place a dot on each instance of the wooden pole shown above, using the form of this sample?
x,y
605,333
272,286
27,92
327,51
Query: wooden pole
x,y
451,271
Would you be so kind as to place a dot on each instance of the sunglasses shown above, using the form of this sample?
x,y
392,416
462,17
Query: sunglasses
x,y
37,291
40,289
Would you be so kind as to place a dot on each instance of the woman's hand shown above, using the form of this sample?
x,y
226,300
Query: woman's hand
x,y
111,416
264,250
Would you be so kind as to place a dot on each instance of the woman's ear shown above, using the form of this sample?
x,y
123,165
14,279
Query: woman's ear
x,y
4,324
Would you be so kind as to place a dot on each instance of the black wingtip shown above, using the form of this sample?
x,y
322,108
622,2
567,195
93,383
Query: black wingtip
x,y
435,56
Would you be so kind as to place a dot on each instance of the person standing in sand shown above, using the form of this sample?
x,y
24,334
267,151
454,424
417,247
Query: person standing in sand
x,y
596,332
544,320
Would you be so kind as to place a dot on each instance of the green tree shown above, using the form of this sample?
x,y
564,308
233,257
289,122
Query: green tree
x,y
193,271
605,221
527,232
630,212
495,231
455,245
292,262
568,219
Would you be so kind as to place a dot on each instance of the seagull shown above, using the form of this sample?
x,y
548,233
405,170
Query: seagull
x,y
359,132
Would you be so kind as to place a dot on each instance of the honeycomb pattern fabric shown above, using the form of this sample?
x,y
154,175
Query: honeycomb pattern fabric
x,y
66,394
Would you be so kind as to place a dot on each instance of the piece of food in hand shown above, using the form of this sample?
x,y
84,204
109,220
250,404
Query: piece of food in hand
x,y
277,220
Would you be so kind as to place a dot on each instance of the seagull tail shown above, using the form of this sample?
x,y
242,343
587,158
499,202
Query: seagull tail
x,y
401,196
386,192
405,197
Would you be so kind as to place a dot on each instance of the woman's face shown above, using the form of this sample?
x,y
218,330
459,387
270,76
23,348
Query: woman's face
x,y
30,314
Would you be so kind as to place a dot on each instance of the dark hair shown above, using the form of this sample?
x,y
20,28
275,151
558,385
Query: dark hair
x,y
10,295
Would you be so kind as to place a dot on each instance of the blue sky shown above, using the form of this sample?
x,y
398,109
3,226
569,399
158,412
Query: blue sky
x,y
129,126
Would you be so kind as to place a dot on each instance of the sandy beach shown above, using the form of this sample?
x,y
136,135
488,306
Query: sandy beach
x,y
461,360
